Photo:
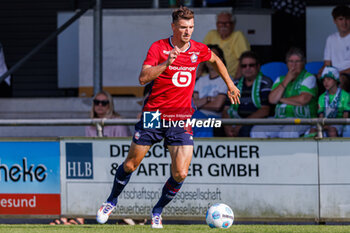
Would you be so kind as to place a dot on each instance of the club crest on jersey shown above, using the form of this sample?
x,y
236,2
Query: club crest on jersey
x,y
194,58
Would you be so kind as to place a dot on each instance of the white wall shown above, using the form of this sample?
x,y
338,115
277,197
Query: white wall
x,y
127,35
319,24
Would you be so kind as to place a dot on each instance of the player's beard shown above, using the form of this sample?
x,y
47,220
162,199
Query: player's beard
x,y
186,39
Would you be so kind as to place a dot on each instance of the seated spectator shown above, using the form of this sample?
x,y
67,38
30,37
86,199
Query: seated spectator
x,y
255,89
333,103
209,95
295,96
233,43
66,221
103,107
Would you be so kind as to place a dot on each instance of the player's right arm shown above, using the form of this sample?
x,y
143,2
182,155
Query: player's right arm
x,y
150,73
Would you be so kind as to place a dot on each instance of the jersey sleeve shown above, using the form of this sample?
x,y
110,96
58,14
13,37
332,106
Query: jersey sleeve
x,y
220,88
152,57
277,82
309,85
320,104
205,53
347,101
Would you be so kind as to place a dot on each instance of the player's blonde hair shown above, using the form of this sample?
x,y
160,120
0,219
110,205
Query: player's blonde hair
x,y
182,13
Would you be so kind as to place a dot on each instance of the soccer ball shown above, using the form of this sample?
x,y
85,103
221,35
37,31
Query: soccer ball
x,y
219,216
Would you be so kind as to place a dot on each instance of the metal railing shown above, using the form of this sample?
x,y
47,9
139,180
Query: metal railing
x,y
100,123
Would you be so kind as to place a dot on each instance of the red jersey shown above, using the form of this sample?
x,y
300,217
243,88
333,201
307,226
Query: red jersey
x,y
171,92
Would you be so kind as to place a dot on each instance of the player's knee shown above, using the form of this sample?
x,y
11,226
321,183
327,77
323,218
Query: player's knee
x,y
180,176
129,166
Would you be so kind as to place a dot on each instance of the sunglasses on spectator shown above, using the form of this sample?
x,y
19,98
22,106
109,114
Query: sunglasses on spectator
x,y
246,65
102,102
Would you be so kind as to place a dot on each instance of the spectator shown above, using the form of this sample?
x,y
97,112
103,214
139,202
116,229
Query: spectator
x,y
65,221
210,90
333,103
103,107
337,49
209,95
5,86
233,43
295,96
255,89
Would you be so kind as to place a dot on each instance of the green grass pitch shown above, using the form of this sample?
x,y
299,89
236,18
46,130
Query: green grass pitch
x,y
33,228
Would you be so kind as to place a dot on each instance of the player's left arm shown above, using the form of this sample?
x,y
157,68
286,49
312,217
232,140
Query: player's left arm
x,y
233,92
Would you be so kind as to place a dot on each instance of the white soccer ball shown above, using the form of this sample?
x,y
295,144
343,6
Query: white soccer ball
x,y
219,216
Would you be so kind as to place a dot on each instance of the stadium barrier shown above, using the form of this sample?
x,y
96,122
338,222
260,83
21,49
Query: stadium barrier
x,y
261,179
99,123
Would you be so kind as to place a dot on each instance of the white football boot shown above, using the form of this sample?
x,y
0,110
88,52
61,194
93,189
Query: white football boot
x,y
156,221
104,212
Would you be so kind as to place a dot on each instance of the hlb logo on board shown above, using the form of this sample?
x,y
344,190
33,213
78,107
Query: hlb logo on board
x,y
79,163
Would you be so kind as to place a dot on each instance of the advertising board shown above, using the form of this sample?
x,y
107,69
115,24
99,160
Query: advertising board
x,y
334,159
29,178
261,179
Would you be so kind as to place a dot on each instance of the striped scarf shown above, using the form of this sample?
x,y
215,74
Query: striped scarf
x,y
233,110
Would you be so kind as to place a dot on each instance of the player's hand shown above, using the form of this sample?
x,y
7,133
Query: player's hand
x,y
173,55
234,94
